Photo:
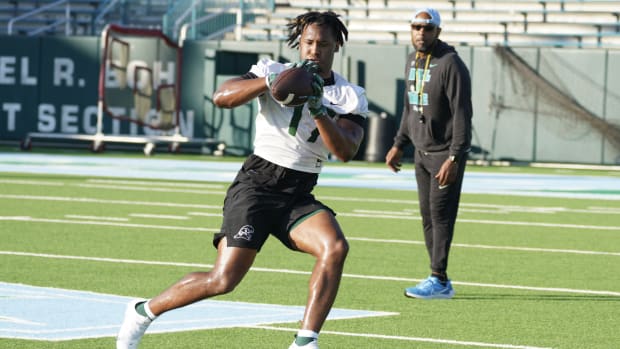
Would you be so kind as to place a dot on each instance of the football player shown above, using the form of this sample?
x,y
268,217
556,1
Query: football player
x,y
272,192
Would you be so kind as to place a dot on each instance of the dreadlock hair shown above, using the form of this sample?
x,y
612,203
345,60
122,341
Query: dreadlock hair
x,y
297,25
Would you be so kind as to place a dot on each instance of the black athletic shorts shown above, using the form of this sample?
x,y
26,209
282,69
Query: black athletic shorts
x,y
266,199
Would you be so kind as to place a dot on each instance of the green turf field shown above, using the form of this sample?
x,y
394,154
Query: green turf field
x,y
529,272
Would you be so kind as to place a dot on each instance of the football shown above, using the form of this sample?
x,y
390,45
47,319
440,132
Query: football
x,y
292,87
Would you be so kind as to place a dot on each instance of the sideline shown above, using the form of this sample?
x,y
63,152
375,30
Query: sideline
x,y
569,186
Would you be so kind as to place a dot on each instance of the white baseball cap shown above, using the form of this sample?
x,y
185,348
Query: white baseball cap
x,y
434,20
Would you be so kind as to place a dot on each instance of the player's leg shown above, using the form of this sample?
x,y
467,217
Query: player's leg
x,y
230,267
321,236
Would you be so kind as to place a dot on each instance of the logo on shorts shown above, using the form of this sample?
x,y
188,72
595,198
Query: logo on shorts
x,y
245,233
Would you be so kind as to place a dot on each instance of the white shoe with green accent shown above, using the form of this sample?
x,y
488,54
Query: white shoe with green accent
x,y
133,327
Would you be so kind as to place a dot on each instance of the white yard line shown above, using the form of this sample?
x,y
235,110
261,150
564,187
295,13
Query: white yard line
x,y
298,272
113,219
158,183
151,188
106,201
96,222
93,220
489,247
158,216
408,338
395,215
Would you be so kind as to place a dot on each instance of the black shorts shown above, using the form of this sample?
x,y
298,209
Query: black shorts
x,y
266,199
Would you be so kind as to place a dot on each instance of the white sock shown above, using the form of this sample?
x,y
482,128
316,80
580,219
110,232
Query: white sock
x,y
307,333
148,311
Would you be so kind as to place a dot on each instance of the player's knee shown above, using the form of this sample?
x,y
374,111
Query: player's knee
x,y
337,250
223,286
214,284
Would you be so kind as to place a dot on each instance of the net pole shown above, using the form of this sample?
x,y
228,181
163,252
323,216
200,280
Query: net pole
x,y
177,111
101,86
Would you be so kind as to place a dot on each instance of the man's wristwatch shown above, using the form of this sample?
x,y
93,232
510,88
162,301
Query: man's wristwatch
x,y
453,159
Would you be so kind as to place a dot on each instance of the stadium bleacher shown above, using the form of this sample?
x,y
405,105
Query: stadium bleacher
x,y
557,23
77,17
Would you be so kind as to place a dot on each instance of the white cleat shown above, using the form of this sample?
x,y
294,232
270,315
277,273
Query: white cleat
x,y
133,327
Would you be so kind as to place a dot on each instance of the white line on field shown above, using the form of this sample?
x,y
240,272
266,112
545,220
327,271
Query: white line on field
x,y
113,219
31,182
490,247
298,272
484,221
205,214
114,224
389,241
151,188
157,216
158,183
353,199
106,201
406,338
344,214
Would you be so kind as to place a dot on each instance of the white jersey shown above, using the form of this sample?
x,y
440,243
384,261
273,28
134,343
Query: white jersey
x,y
288,136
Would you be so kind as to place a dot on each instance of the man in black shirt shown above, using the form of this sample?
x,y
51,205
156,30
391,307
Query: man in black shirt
x,y
437,121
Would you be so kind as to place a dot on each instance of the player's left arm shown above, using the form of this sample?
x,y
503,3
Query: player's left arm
x,y
342,136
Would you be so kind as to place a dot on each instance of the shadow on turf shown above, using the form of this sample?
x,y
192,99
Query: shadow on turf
x,y
537,297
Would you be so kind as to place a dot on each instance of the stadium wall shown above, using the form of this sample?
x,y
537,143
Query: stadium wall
x,y
49,84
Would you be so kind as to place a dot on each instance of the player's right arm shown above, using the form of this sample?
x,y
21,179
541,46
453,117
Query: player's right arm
x,y
238,91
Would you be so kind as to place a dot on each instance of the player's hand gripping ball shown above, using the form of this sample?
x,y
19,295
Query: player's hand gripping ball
x,y
293,86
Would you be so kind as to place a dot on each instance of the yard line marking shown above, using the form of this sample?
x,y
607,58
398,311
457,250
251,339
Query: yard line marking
x,y
531,209
386,213
412,242
500,209
205,214
488,221
540,224
345,214
489,247
159,216
606,209
406,338
150,185
509,208
113,224
298,272
354,199
102,259
114,219
31,182
162,190
158,183
105,201
164,227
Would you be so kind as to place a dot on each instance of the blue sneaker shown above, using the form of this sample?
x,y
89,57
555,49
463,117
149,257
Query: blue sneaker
x,y
431,288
